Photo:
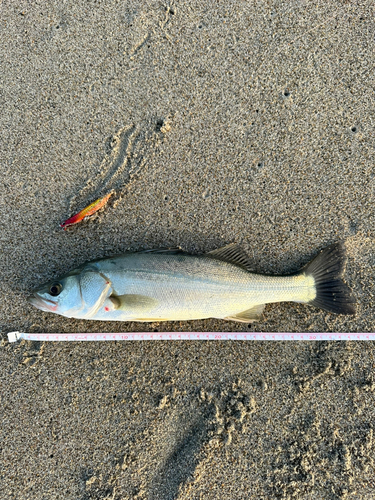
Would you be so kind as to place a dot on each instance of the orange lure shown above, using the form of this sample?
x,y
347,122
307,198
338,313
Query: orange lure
x,y
90,210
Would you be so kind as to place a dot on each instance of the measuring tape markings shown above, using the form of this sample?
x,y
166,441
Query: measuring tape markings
x,y
102,337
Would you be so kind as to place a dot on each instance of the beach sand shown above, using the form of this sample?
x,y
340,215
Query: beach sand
x,y
214,122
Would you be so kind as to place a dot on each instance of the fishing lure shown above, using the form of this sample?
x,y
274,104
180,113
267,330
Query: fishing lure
x,y
86,212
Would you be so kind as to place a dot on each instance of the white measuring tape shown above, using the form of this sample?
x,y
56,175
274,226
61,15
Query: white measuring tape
x,y
100,337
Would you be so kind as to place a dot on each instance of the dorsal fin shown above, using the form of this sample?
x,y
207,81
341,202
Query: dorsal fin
x,y
232,253
171,250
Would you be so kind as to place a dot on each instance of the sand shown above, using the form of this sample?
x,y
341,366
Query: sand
x,y
214,122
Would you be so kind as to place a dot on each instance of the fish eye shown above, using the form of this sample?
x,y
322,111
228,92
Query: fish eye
x,y
55,289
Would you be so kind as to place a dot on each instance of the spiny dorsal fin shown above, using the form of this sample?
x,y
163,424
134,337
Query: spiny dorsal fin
x,y
232,253
171,250
252,314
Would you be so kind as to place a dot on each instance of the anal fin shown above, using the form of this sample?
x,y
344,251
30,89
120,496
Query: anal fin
x,y
248,316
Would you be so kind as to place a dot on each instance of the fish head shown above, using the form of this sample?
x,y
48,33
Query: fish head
x,y
61,296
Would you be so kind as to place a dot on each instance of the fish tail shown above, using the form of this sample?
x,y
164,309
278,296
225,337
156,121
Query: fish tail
x,y
327,268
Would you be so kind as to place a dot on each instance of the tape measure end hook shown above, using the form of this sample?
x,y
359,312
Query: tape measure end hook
x,y
14,336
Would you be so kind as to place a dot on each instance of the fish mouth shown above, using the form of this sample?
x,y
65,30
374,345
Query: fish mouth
x,y
43,304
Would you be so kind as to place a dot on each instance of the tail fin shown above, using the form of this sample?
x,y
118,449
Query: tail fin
x,y
332,294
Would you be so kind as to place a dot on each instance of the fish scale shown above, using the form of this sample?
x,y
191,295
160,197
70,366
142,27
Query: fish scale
x,y
193,287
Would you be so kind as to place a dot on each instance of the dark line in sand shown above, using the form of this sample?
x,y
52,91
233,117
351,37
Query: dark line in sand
x,y
111,168
181,463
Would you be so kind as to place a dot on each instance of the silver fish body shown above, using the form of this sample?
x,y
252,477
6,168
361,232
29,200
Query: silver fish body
x,y
168,285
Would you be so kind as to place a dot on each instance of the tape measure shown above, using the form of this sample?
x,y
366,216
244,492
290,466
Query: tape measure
x,y
103,337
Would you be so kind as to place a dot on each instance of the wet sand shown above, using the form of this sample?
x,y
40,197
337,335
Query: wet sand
x,y
213,122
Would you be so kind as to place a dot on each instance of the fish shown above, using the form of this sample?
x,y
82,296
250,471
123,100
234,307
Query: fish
x,y
172,285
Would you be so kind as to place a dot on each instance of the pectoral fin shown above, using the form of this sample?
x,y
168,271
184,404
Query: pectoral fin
x,y
133,303
248,316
